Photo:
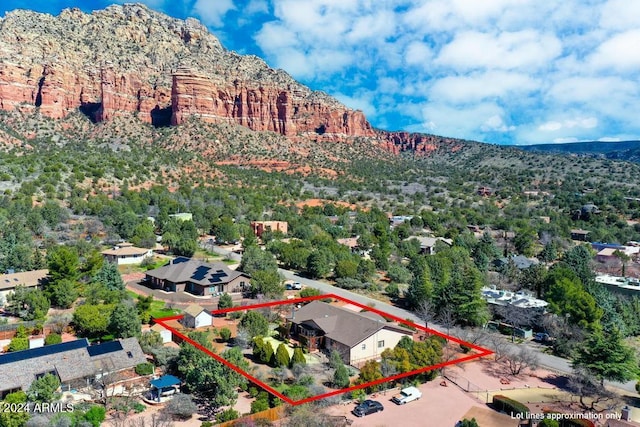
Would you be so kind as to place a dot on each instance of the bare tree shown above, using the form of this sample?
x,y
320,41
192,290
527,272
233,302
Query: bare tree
x,y
157,419
585,385
519,361
447,318
498,344
516,317
59,322
425,312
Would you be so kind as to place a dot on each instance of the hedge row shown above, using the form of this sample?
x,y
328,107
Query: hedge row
x,y
572,422
509,406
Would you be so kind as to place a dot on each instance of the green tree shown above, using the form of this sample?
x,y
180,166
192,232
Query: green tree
x,y
370,372
14,418
109,276
319,263
607,357
341,377
567,297
144,235
267,283
92,320
62,293
44,388
28,303
547,422
124,321
470,423
309,292
225,301
255,324
282,356
298,357
255,259
225,334
95,415
346,268
226,230
63,263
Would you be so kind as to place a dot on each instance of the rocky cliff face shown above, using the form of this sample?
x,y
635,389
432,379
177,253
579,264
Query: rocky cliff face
x,y
131,60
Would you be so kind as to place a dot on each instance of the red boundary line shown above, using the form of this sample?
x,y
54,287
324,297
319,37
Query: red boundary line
x,y
481,351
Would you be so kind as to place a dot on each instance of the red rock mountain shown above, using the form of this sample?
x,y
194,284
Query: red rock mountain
x,y
131,60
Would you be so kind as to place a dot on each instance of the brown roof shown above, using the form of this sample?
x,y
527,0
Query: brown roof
x,y
25,278
182,270
193,310
351,242
332,320
125,249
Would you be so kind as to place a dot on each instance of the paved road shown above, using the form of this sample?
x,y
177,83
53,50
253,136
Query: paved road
x,y
547,361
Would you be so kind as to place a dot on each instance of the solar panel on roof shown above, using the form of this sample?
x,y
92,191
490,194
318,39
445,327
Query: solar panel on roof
x,y
43,351
104,348
200,273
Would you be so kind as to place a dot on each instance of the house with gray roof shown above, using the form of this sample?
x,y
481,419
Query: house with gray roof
x,y
357,336
76,363
197,277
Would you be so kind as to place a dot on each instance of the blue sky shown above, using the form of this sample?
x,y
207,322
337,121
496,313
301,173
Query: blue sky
x,y
499,71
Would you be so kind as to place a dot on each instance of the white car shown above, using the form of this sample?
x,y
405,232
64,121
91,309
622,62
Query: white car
x,y
407,395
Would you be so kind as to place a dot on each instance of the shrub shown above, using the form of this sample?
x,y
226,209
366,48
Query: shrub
x,y
227,415
259,405
95,415
18,344
309,292
509,406
181,406
548,422
392,290
225,334
138,407
144,369
52,339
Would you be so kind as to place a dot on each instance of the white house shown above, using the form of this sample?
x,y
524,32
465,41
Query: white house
x,y
127,254
196,317
164,332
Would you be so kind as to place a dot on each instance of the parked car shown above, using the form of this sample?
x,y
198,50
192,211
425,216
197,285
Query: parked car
x,y
297,286
406,395
367,407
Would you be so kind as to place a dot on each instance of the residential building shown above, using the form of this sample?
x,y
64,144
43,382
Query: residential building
x,y
126,254
629,286
580,235
521,262
197,277
358,337
196,317
519,299
350,242
76,363
28,279
182,216
164,332
260,227
428,244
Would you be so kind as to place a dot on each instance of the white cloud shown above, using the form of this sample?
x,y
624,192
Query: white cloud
x,y
212,12
620,52
520,70
584,123
472,50
479,86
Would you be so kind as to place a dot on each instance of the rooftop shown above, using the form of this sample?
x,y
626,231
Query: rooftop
x,y
181,270
24,278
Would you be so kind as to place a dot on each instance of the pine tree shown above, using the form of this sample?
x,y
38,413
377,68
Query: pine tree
x,y
298,357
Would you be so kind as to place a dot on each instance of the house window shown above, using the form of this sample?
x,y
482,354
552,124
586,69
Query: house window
x,y
212,289
364,346
381,344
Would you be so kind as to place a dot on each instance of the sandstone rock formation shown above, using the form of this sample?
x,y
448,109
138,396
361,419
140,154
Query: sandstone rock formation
x,y
131,60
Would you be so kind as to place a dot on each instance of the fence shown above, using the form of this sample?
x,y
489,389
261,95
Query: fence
x,y
461,382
